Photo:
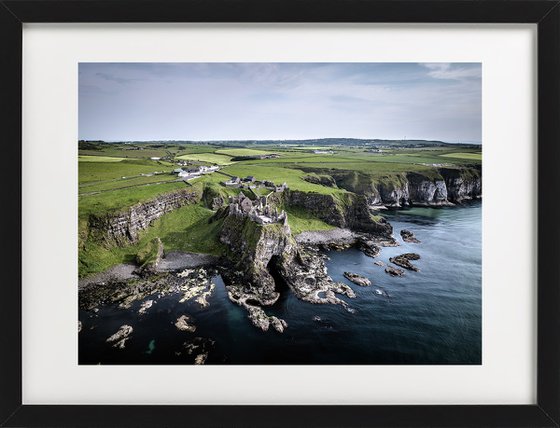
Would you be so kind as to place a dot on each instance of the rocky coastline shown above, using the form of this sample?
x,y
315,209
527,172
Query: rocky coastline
x,y
263,256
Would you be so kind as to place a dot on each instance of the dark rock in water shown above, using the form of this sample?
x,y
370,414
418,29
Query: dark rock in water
x,y
322,323
357,279
394,271
408,236
379,263
182,324
119,339
200,346
404,261
338,246
145,306
306,275
368,246
381,292
201,359
192,282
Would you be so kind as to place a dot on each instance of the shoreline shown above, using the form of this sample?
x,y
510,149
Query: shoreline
x,y
171,262
179,260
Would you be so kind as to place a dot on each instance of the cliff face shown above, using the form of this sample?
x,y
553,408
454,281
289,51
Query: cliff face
x,y
260,251
253,249
352,212
324,207
462,184
123,228
425,191
445,187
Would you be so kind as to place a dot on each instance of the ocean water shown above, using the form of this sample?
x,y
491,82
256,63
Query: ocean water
x,y
428,317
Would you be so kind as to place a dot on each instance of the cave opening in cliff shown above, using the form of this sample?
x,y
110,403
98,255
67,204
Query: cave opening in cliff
x,y
273,268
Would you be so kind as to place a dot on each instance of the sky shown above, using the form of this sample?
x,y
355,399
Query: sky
x,y
279,101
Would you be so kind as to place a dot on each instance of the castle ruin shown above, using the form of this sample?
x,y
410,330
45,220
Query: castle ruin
x,y
258,211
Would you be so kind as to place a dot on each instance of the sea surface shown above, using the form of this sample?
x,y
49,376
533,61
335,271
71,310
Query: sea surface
x,y
428,317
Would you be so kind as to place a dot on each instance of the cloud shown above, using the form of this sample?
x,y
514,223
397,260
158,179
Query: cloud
x,y
112,78
205,101
445,70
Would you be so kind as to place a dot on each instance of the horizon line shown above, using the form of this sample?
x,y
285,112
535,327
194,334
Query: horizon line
x,y
280,140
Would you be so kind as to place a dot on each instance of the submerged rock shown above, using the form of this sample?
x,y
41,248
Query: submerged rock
x,y
118,340
357,279
257,315
182,324
145,306
394,271
408,236
200,346
201,359
381,292
368,246
404,261
191,282
306,275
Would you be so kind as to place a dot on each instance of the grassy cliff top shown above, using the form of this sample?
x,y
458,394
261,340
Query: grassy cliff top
x,y
113,177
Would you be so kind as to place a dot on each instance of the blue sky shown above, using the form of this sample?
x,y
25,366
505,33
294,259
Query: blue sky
x,y
238,101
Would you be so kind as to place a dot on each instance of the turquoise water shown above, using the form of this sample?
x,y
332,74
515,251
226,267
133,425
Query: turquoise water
x,y
428,317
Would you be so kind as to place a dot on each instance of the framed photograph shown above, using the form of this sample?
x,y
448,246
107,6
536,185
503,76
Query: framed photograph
x,y
281,213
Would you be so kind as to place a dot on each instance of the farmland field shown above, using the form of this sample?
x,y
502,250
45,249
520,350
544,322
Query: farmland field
x,y
86,158
241,152
110,180
211,158
469,156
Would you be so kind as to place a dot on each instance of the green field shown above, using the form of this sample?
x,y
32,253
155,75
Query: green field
x,y
113,177
86,158
279,175
469,156
242,152
185,229
301,221
212,158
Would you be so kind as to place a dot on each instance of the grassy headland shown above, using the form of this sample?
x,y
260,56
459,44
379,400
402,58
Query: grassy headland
x,y
116,176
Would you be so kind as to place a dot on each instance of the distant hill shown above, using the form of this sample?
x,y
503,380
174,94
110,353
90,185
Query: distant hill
x,y
379,143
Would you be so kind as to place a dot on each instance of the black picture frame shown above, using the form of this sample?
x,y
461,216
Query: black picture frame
x,y
544,13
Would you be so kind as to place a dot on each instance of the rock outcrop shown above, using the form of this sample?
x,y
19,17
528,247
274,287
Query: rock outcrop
x,y
394,271
118,340
265,256
182,324
409,237
252,248
122,228
304,271
404,261
357,279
